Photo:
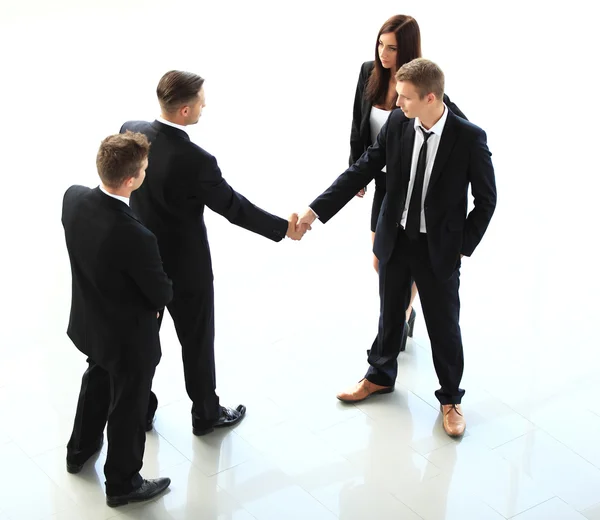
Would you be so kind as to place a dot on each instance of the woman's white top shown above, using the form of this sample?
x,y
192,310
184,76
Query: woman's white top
x,y
377,120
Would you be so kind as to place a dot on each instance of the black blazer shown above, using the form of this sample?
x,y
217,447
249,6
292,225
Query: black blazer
x,y
463,158
360,135
181,180
118,282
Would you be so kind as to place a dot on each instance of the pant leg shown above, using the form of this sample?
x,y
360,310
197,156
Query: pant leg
x,y
126,431
193,316
394,295
441,309
91,414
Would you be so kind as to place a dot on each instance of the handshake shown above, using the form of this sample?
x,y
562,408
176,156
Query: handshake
x,y
298,225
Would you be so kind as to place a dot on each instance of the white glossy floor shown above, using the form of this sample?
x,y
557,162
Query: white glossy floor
x,y
294,320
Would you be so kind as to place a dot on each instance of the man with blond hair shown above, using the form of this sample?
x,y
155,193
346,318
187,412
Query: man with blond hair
x,y
431,157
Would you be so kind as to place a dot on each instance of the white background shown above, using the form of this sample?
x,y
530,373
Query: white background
x,y
280,83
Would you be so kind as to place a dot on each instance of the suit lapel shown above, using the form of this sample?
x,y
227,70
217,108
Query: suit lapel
x,y
449,136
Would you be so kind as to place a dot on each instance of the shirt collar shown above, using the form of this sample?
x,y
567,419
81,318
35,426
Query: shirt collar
x,y
438,128
174,125
118,197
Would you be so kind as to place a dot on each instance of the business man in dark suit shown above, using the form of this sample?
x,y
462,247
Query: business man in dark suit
x,y
182,180
118,287
423,230
407,37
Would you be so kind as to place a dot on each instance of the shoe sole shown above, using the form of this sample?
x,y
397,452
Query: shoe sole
x,y
383,391
116,502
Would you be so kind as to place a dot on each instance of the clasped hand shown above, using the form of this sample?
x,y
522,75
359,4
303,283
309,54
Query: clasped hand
x,y
298,225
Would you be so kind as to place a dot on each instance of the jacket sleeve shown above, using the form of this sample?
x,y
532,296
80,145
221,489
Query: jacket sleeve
x,y
483,188
212,190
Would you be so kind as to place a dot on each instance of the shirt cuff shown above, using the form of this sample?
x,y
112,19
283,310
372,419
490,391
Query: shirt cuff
x,y
314,212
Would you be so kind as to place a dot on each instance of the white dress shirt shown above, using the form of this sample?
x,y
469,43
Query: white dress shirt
x,y
118,197
174,125
433,143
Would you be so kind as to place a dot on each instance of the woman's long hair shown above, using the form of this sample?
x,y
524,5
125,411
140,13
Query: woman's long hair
x,y
408,38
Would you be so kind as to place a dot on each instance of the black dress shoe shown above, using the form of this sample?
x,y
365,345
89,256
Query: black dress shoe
x,y
147,491
228,417
411,323
75,465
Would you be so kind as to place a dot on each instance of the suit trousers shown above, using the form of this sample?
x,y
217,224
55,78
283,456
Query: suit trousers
x,y
193,313
122,401
441,308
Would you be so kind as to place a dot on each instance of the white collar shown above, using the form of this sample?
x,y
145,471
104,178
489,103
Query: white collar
x,y
174,125
438,128
118,197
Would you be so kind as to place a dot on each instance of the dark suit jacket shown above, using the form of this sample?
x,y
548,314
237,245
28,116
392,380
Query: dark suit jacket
x,y
118,282
463,158
181,180
360,135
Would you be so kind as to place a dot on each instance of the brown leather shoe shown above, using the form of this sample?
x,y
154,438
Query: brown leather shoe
x,y
361,390
454,421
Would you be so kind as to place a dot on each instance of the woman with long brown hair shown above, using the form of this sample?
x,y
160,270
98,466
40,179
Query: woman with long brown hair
x,y
398,42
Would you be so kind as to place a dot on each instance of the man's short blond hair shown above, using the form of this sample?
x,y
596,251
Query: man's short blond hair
x,y
425,75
